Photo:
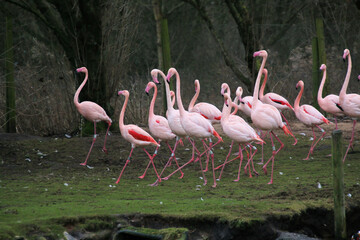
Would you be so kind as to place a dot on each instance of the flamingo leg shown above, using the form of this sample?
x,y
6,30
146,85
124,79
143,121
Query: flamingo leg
x,y
126,163
351,140
207,155
153,156
272,158
241,159
251,160
287,124
225,162
174,157
107,131
151,159
92,144
262,148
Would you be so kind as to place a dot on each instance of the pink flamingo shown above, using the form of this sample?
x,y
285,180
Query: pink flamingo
x,y
207,110
172,97
239,131
266,117
310,116
275,100
195,126
135,135
245,103
158,125
173,117
350,103
91,111
328,104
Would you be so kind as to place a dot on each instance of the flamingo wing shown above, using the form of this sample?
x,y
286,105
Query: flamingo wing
x,y
351,105
311,115
138,136
93,112
208,111
159,128
276,100
328,104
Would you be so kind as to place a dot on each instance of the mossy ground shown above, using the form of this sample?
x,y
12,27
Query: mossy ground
x,y
43,185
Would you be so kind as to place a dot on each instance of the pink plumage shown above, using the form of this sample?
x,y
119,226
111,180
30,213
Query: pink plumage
x,y
91,111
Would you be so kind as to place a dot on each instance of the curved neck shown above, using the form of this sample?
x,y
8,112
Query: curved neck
x,y
152,103
122,113
262,89
321,87
167,91
346,82
193,100
297,100
178,96
257,83
77,93
226,109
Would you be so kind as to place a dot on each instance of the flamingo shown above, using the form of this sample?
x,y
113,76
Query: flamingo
x,y
207,110
173,117
134,135
266,117
91,111
350,103
275,100
328,104
195,126
239,131
309,116
158,125
245,103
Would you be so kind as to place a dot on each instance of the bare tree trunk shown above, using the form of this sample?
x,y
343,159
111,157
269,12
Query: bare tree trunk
x,y
10,82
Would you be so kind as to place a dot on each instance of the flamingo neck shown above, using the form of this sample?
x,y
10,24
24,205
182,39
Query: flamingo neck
x,y
77,93
122,113
167,91
257,83
226,109
178,96
152,103
297,100
195,97
262,89
321,87
346,82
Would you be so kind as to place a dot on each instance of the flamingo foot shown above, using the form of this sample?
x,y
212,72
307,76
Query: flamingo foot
x,y
117,181
105,150
83,164
205,182
182,175
165,178
265,170
236,180
142,176
214,185
205,170
306,158
271,182
155,184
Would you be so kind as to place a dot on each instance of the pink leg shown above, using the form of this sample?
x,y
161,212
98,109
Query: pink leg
x,y
153,156
251,160
287,124
107,131
92,144
351,140
241,158
273,156
225,162
262,148
174,157
152,162
127,161
207,155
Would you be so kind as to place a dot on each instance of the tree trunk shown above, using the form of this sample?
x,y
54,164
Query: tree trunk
x,y
315,71
10,82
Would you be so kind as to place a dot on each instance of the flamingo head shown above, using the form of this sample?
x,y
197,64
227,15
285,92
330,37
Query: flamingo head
x,y
299,84
261,53
82,69
224,86
154,74
123,92
170,73
227,99
346,53
323,67
197,85
149,86
239,92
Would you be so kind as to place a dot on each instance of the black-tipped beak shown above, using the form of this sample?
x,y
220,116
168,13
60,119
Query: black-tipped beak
x,y
147,93
344,59
339,107
158,83
242,102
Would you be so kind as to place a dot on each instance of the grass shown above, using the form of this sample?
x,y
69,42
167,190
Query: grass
x,y
46,193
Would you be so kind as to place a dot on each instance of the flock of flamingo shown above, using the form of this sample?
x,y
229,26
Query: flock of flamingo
x,y
196,123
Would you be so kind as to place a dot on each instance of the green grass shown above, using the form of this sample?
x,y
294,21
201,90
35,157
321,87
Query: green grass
x,y
43,195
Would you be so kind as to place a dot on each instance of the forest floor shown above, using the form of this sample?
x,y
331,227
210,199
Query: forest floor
x,y
44,190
